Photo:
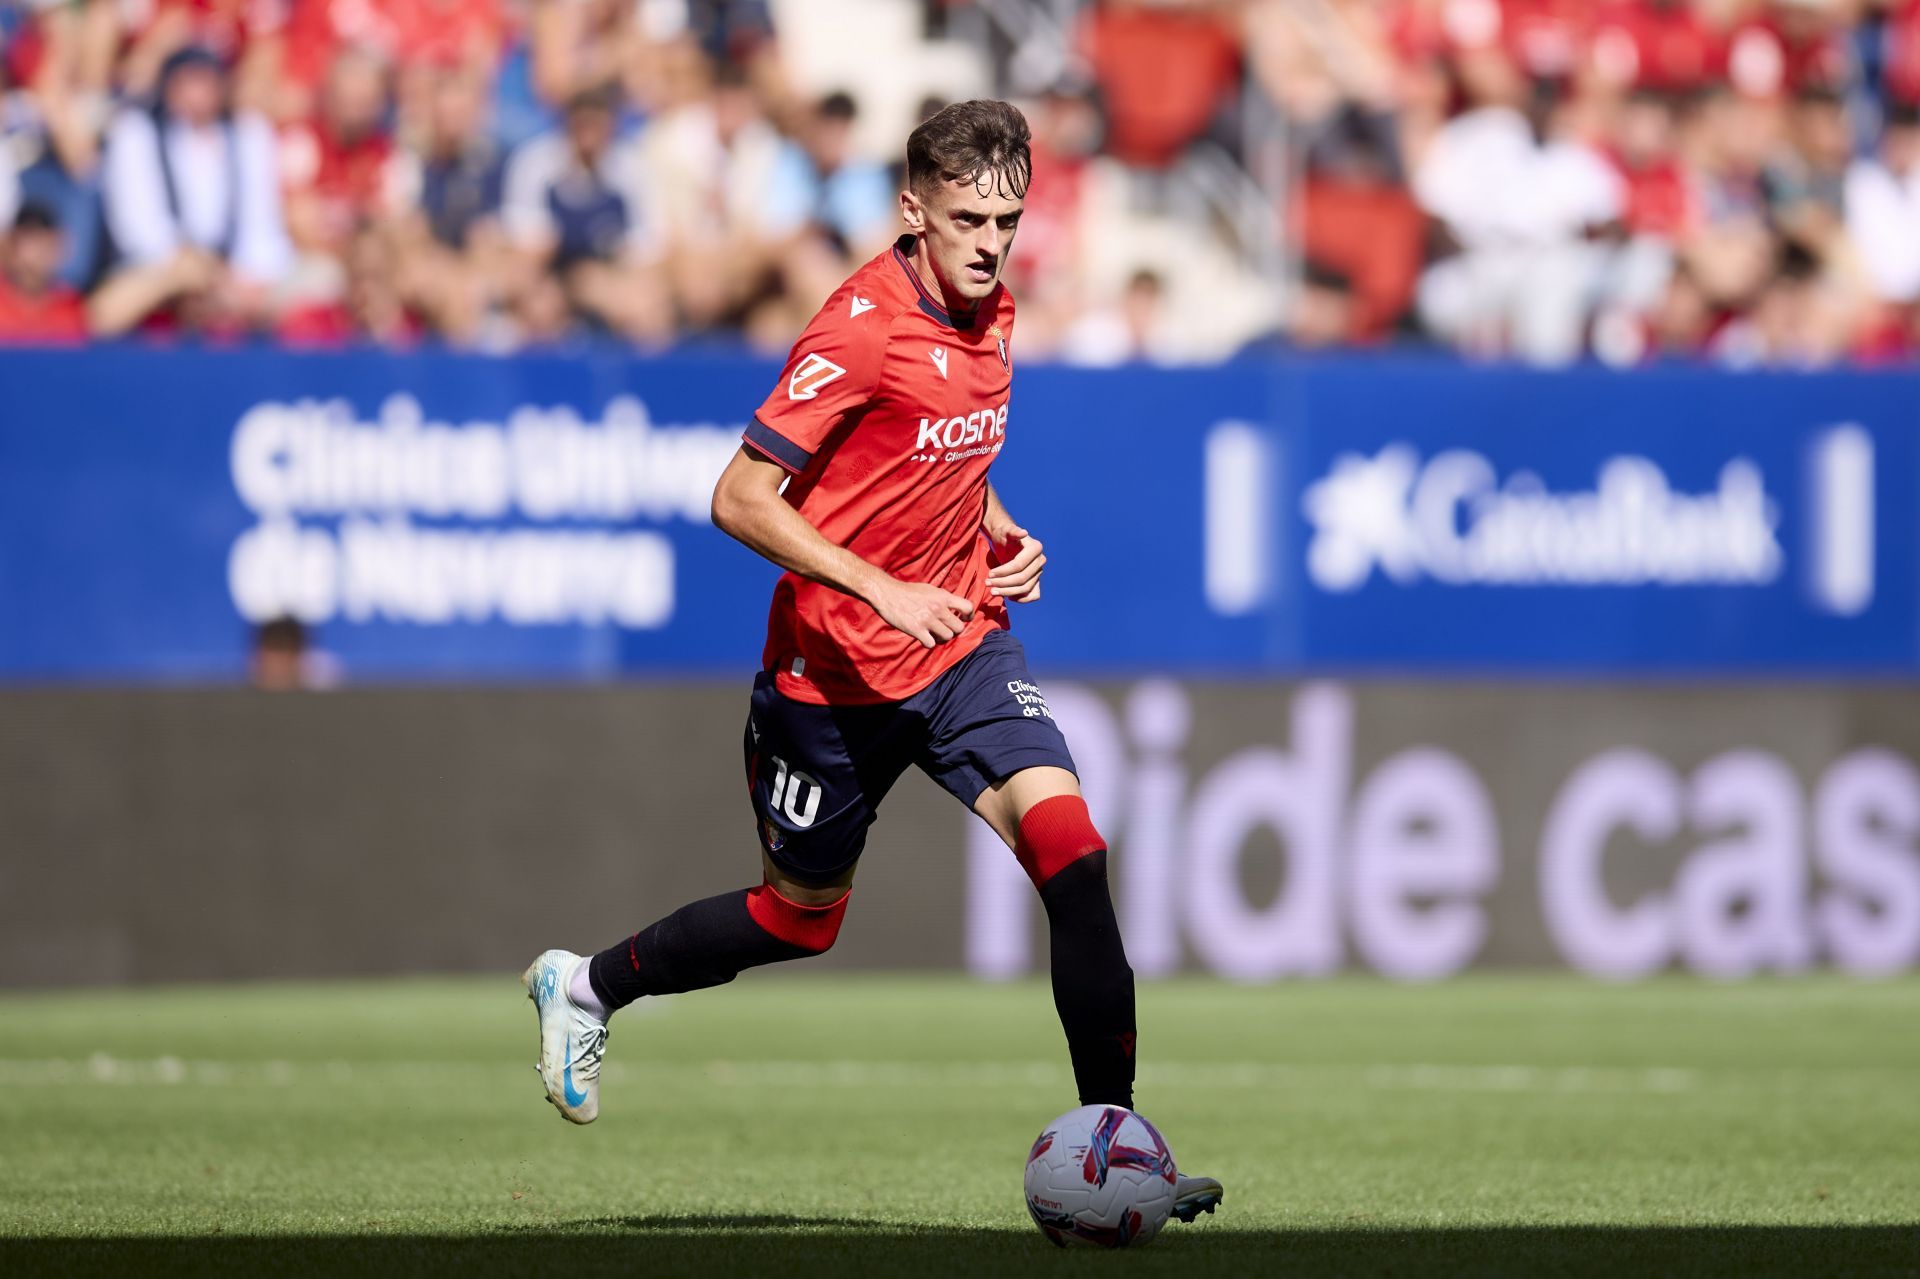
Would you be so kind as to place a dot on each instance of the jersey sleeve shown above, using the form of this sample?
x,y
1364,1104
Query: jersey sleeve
x,y
831,374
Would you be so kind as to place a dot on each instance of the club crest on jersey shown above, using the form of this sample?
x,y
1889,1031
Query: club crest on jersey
x,y
995,333
812,373
939,357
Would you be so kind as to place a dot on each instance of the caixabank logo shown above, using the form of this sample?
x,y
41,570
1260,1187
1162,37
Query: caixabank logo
x,y
1454,518
1392,518
1457,519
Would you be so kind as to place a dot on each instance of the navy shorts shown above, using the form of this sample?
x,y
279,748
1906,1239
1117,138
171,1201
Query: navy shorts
x,y
818,773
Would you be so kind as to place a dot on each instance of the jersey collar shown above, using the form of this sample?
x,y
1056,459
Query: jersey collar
x,y
929,303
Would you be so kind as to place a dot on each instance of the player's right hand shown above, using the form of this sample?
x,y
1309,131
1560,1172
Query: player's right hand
x,y
926,612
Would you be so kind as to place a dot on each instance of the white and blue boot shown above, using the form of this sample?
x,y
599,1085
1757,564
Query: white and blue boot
x,y
1195,1195
572,1040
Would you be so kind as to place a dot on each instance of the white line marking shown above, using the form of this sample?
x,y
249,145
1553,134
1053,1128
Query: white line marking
x,y
106,1069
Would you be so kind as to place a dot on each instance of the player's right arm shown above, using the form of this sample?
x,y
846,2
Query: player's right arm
x,y
748,507
832,373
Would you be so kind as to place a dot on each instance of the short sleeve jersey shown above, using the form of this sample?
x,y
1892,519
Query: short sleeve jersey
x,y
888,415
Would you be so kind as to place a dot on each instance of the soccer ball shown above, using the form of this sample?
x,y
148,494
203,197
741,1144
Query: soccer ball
x,y
1100,1175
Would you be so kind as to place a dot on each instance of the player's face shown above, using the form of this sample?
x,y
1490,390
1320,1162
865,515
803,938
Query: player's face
x,y
969,227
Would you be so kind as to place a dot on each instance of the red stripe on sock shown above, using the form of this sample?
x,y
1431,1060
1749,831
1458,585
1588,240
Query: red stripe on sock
x,y
808,927
1054,835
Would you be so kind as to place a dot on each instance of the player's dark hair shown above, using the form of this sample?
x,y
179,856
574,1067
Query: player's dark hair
x,y
984,141
282,634
1317,274
36,215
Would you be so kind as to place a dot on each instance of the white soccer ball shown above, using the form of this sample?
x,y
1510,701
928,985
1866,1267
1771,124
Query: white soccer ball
x,y
1100,1175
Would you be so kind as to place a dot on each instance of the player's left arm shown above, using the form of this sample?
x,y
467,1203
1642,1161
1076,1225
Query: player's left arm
x,y
1017,557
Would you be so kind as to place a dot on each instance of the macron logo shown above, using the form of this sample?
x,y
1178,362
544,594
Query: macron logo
x,y
812,373
860,307
939,357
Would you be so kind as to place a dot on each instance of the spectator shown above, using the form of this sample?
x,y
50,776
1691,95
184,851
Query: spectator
x,y
734,31
454,181
1044,272
1535,178
410,37
9,187
34,306
336,170
284,659
448,239
1806,179
464,35
711,160
1660,202
191,174
576,213
373,307
1802,318
1529,272
1325,310
59,70
819,184
1728,141
1664,46
835,210
433,39
1883,209
580,46
1787,47
1322,61
1681,325
245,35
1121,334
1897,26
1358,220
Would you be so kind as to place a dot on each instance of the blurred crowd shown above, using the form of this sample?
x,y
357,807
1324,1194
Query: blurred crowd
x,y
1548,180
483,173
1736,180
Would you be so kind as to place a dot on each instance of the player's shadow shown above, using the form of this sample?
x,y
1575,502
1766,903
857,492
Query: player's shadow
x,y
797,1247
771,1223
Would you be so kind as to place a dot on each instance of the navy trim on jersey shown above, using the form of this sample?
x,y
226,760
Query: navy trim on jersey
x,y
777,447
929,303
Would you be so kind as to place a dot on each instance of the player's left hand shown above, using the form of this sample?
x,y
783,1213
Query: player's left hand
x,y
1017,578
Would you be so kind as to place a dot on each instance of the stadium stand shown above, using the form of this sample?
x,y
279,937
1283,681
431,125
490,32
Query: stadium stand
x,y
1548,180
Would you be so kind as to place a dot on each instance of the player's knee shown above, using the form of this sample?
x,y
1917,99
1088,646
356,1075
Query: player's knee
x,y
1054,834
810,928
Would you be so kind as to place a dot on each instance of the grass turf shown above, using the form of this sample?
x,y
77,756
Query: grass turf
x,y
800,1124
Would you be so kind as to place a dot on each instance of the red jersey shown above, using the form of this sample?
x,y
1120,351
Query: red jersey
x,y
347,179
1903,52
888,415
1660,200
1658,48
56,317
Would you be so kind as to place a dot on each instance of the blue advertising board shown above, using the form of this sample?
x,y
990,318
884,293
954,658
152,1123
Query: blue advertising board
x,y
545,517
1589,521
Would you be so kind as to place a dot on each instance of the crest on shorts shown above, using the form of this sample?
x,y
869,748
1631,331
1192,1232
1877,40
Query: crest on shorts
x,y
776,838
995,333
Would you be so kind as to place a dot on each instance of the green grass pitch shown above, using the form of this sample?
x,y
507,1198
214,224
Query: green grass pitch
x,y
800,1124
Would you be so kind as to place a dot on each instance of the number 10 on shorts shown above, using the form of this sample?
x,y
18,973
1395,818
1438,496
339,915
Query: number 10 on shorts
x,y
795,794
